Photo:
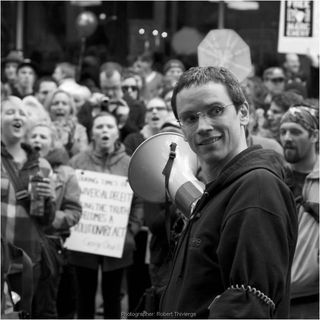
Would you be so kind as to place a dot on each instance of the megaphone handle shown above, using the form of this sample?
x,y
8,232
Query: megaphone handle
x,y
166,172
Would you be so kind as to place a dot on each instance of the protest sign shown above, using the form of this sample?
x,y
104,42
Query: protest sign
x,y
299,27
106,201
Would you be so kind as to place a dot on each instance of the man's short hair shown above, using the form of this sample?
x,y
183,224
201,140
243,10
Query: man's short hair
x,y
198,76
43,79
286,99
68,69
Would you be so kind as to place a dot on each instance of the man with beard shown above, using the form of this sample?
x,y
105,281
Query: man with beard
x,y
299,137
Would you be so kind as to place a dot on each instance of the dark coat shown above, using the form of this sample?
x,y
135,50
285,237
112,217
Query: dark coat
x,y
242,233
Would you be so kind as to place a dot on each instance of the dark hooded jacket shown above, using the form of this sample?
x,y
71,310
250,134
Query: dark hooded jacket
x,y
234,257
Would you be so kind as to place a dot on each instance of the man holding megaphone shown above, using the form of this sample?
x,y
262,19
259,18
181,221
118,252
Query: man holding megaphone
x,y
234,257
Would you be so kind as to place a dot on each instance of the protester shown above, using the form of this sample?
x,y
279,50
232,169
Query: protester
x,y
274,81
106,155
9,67
64,73
253,134
234,257
110,80
280,103
173,69
68,210
138,278
156,114
44,87
35,111
152,79
299,135
23,223
131,94
292,69
70,134
26,78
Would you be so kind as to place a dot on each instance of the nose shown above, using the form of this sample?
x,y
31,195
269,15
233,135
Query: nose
x,y
204,123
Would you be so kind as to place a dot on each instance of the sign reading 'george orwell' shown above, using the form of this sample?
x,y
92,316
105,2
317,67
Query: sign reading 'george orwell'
x,y
299,27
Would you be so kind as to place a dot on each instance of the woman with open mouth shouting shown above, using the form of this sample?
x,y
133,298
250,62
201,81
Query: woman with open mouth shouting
x,y
71,134
106,155
20,225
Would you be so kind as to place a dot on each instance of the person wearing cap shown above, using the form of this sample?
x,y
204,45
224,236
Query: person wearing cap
x,y
274,81
9,67
233,259
173,69
26,78
299,134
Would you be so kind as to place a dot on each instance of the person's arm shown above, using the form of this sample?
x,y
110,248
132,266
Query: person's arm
x,y
70,210
255,253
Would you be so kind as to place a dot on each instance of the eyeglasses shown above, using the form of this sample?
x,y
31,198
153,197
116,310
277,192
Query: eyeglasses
x,y
277,80
126,88
191,119
156,108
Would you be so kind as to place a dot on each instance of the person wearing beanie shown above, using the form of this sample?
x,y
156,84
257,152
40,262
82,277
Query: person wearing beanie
x,y
173,69
299,136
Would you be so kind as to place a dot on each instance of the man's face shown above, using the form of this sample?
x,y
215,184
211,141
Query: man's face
x,y
45,88
275,83
296,142
274,115
213,139
292,63
26,77
111,86
130,87
156,113
10,71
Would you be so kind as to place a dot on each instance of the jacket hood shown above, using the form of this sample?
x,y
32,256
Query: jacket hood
x,y
252,158
111,158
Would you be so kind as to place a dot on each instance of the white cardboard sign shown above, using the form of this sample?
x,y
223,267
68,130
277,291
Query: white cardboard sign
x,y
299,27
106,201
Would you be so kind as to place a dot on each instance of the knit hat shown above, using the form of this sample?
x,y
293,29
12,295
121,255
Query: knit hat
x,y
173,63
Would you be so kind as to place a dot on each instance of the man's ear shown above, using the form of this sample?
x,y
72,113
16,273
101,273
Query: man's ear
x,y
315,136
244,114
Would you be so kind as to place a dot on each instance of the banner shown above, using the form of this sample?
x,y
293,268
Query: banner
x,y
106,201
299,27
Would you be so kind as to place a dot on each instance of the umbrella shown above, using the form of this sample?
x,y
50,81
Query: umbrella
x,y
225,48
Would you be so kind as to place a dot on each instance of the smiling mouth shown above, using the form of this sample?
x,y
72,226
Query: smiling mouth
x,y
210,140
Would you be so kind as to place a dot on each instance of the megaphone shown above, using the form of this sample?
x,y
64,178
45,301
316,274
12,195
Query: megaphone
x,y
146,176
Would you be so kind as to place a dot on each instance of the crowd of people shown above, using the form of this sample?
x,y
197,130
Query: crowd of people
x,y
250,248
